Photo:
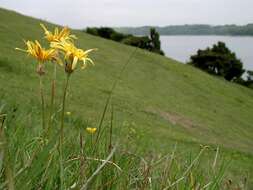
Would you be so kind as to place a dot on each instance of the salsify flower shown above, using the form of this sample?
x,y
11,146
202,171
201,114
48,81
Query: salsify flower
x,y
72,55
57,36
35,50
91,130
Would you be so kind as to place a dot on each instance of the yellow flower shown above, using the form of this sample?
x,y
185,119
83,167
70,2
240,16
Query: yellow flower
x,y
57,36
68,113
91,130
37,51
72,55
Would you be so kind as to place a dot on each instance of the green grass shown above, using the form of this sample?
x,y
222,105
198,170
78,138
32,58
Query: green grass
x,y
164,101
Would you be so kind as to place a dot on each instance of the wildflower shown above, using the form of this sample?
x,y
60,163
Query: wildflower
x,y
72,55
35,50
68,113
57,36
91,130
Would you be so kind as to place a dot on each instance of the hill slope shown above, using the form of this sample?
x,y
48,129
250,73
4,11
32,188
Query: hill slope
x,y
165,101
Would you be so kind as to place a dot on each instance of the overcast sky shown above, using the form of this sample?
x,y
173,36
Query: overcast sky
x,y
82,13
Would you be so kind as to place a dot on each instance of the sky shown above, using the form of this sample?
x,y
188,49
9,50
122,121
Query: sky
x,y
83,13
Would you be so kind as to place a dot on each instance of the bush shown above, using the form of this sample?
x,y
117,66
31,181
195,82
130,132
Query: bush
x,y
92,31
155,41
151,43
248,82
141,42
219,60
118,37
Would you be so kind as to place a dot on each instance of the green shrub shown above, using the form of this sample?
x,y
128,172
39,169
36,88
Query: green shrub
x,y
220,61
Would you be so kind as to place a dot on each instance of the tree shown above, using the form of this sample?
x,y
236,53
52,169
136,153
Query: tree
x,y
219,60
155,41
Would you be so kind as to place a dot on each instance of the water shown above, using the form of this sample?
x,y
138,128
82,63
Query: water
x,y
182,47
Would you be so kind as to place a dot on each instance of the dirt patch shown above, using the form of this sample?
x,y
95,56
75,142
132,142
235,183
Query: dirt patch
x,y
174,118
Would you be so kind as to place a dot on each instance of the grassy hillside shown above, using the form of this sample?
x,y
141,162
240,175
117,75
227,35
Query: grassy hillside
x,y
166,102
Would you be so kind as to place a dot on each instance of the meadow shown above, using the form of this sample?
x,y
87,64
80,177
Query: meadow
x,y
160,124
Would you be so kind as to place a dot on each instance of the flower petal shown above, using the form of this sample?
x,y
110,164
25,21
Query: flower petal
x,y
74,63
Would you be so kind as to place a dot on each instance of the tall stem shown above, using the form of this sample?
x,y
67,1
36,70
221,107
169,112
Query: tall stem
x,y
63,105
42,103
52,100
61,132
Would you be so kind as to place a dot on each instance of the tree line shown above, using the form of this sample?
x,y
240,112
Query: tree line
x,y
196,29
150,42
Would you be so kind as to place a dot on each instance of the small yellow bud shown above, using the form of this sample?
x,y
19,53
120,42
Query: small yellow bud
x,y
91,130
68,113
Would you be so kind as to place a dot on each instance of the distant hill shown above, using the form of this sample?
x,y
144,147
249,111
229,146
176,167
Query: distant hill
x,y
199,29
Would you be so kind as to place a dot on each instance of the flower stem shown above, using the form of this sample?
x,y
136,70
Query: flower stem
x,y
61,132
52,101
42,103
63,105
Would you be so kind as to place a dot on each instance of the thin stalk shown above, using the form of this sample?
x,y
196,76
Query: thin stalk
x,y
110,134
42,103
110,96
85,186
6,157
52,100
2,141
82,160
63,104
61,132
215,159
187,170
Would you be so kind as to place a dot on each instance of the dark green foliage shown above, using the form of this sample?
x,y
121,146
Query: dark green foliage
x,y
250,76
92,31
107,33
117,36
155,41
220,61
248,82
141,42
151,43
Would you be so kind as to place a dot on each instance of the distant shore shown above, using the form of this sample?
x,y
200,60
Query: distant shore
x,y
199,29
